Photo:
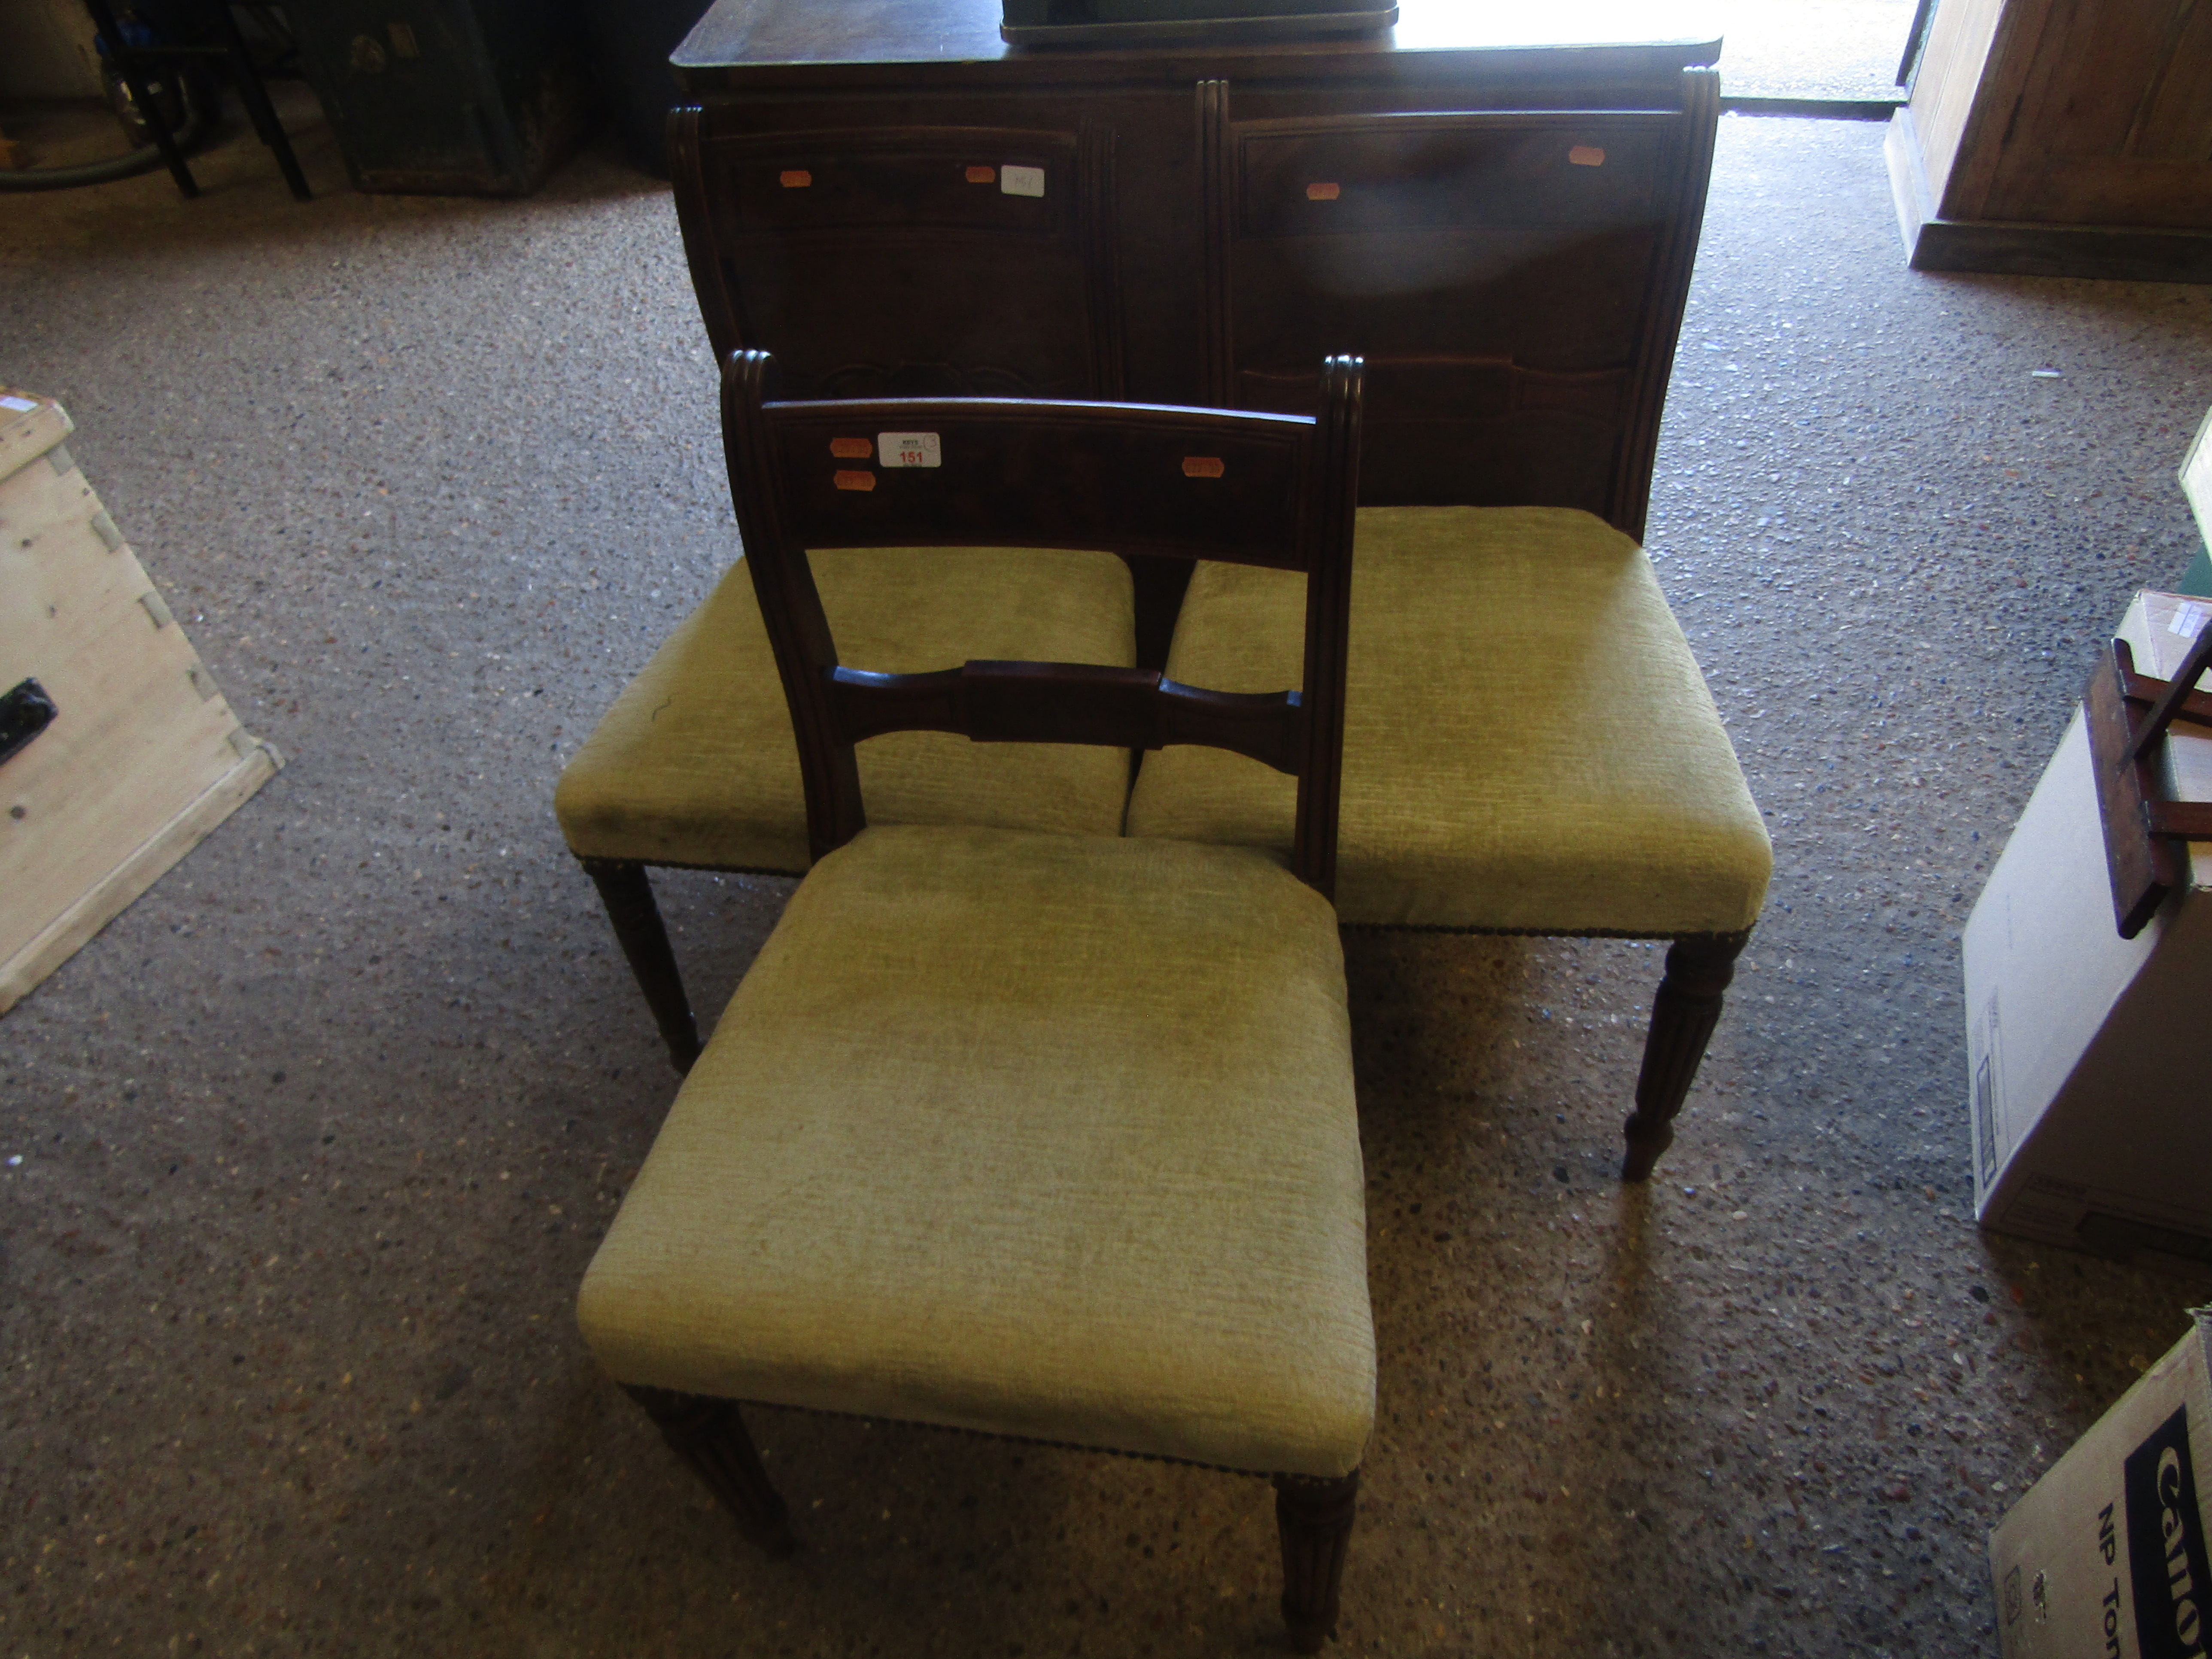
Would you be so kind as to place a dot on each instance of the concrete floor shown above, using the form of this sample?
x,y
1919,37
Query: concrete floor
x,y
317,1138
1845,49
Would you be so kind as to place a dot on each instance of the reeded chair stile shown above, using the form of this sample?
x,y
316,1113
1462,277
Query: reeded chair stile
x,y
1532,747
1040,1135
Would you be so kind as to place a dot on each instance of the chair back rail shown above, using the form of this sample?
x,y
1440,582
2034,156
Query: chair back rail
x,y
1137,480
1069,702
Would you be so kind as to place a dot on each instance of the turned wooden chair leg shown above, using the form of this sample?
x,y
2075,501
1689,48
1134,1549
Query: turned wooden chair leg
x,y
1683,1014
1314,1517
628,894
710,1436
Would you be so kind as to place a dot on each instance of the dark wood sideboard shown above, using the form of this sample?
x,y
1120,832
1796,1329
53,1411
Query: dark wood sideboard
x,y
1499,213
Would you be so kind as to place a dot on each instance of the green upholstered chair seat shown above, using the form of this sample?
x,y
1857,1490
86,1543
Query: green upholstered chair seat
x,y
696,762
1040,1135
1528,744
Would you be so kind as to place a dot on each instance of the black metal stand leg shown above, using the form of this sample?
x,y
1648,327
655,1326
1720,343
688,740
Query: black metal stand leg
x,y
103,19
1683,1015
628,895
246,75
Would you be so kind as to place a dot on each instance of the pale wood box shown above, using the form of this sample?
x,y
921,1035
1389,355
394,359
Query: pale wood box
x,y
142,756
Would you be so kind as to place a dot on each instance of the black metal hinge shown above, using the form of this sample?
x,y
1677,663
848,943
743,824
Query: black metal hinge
x,y
24,713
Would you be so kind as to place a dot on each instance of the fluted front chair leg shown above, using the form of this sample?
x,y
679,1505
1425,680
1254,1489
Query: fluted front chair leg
x,y
1314,1520
710,1436
1683,1015
627,892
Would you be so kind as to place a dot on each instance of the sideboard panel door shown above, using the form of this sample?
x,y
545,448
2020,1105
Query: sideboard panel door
x,y
907,261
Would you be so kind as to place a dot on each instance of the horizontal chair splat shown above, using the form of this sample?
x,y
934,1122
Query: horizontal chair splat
x,y
2180,820
1069,702
2194,709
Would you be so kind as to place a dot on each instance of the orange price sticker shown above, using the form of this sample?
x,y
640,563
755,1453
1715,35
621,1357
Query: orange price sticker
x,y
794,178
1201,466
854,480
982,175
1323,192
1587,155
851,449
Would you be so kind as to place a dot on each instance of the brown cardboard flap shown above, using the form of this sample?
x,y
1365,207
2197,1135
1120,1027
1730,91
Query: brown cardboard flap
x,y
2106,1553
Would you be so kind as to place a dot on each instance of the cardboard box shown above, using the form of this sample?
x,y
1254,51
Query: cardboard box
x,y
2089,1058
2106,1555
2196,476
2196,485
140,756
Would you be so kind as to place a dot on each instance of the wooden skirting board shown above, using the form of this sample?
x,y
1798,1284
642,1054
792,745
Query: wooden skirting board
x,y
136,755
2017,248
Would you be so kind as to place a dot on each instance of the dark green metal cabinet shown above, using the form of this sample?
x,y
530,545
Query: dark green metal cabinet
x,y
448,97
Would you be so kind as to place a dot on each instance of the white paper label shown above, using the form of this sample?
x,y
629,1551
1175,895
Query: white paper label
x,y
2189,621
19,404
909,449
1021,181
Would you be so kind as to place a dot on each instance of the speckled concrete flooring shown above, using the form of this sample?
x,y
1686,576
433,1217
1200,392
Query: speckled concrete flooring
x,y
1810,48
317,1138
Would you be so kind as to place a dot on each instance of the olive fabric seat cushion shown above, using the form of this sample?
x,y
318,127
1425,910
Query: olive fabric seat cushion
x,y
1039,1135
696,762
1528,746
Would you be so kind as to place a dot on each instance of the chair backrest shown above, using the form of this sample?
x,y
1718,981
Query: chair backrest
x,y
817,245
1173,484
1515,280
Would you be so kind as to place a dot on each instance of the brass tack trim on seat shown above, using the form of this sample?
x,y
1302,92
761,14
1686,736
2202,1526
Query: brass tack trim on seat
x,y
794,178
854,480
1201,466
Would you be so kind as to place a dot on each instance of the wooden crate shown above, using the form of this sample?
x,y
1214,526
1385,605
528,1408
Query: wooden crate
x,y
143,756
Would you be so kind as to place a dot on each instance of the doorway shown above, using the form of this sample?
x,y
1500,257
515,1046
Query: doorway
x,y
1815,51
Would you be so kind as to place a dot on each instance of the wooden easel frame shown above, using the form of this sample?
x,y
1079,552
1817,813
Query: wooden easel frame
x,y
2129,714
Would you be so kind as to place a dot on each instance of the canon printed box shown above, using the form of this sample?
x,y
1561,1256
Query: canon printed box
x,y
2106,1553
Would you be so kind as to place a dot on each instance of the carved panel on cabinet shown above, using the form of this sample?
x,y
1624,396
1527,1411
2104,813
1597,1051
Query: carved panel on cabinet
x,y
894,261
1514,279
